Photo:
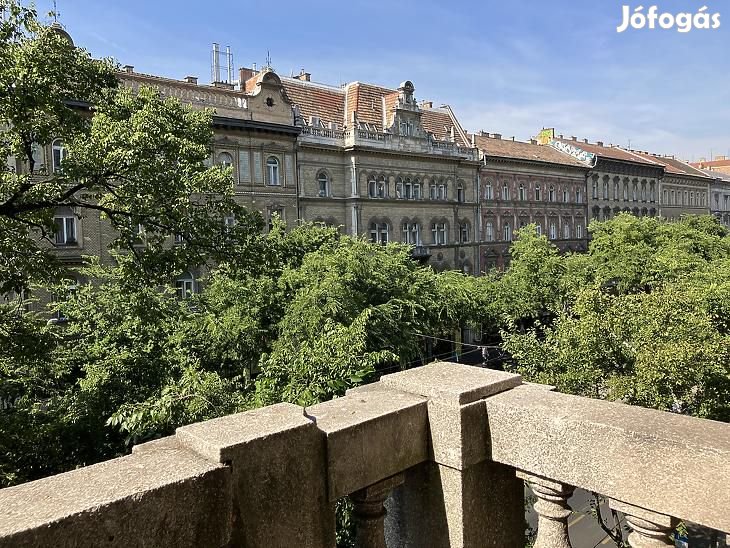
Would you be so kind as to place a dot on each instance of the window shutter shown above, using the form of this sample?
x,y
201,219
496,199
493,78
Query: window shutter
x,y
258,176
244,166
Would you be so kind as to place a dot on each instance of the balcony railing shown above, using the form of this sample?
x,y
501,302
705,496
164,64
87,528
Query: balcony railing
x,y
444,448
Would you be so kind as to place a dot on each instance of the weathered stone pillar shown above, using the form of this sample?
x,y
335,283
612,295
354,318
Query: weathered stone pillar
x,y
279,475
648,529
552,510
370,512
459,499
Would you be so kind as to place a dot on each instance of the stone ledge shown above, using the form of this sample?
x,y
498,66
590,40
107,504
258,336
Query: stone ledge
x,y
665,463
171,497
452,383
372,434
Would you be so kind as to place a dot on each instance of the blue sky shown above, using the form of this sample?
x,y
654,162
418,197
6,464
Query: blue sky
x,y
505,67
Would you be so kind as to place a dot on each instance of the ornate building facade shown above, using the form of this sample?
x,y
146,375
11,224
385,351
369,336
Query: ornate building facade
x,y
523,183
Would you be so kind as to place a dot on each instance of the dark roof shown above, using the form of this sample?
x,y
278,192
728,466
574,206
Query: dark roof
x,y
671,165
507,148
610,152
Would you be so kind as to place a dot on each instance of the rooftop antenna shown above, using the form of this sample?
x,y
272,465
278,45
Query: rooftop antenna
x,y
229,64
55,12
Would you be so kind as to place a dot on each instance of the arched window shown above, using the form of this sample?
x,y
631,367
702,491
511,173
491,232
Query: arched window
x,y
505,191
605,188
538,229
595,189
566,231
439,233
372,188
272,171
59,155
579,230
225,159
551,194
399,188
185,286
442,191
382,187
489,231
522,192
488,191
507,232
464,232
652,191
626,190
616,192
460,196
408,190
537,193
379,232
411,233
565,195
635,191
324,184
553,233
416,190
643,191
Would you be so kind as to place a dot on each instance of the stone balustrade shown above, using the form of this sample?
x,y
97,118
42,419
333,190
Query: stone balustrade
x,y
430,457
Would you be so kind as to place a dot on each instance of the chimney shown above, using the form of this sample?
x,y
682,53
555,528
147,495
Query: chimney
x,y
128,68
573,138
191,79
585,141
427,105
245,74
496,135
304,76
599,143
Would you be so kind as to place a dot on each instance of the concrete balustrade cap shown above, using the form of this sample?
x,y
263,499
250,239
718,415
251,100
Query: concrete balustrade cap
x,y
452,382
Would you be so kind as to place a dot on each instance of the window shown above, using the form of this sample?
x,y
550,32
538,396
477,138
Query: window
x,y
507,232
464,232
185,286
488,193
626,190
59,155
538,229
272,171
412,233
229,221
225,159
489,231
522,192
634,191
579,230
505,191
615,188
323,184
537,193
379,233
434,191
460,196
65,230
553,233
382,189
438,231
442,192
595,189
179,239
399,188
565,196
417,190
407,190
643,191
605,188
566,231
551,194
652,191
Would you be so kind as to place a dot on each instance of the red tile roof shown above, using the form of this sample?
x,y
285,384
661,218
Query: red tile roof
x,y
610,153
326,102
712,163
507,148
671,165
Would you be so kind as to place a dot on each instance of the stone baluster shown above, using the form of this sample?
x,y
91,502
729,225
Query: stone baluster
x,y
369,513
552,510
648,529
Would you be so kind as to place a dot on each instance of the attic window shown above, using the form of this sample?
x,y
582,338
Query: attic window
x,y
269,102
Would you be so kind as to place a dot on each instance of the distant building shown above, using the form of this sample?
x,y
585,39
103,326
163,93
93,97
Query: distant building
x,y
523,183
719,163
720,196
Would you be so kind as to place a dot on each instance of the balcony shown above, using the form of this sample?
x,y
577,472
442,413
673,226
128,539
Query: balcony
x,y
431,457
421,253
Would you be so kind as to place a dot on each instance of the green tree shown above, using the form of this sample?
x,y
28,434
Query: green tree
x,y
136,159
